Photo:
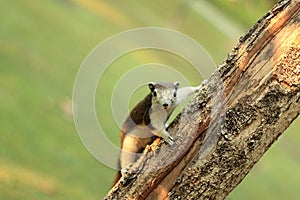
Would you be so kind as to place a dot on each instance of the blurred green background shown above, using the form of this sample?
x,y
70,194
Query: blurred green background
x,y
43,43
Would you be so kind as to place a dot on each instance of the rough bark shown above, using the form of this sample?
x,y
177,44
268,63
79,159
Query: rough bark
x,y
244,107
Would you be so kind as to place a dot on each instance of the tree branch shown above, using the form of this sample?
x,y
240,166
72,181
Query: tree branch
x,y
243,108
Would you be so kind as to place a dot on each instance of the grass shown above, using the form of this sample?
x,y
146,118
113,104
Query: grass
x,y
244,12
42,46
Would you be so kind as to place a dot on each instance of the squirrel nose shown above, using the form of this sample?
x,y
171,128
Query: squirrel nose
x,y
165,105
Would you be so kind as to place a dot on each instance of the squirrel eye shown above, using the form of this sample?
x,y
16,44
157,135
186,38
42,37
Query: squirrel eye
x,y
175,94
154,94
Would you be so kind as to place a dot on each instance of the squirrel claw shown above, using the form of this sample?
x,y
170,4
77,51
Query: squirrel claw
x,y
169,140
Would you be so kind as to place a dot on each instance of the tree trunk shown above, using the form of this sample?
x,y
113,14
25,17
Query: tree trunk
x,y
242,109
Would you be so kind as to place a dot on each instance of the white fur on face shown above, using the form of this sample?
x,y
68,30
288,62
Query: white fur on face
x,y
165,96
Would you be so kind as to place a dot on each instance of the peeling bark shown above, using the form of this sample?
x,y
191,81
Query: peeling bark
x,y
244,107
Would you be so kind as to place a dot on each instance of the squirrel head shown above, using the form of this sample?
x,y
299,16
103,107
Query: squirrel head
x,y
164,93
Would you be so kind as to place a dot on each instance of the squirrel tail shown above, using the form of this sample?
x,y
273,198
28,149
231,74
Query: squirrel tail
x,y
117,177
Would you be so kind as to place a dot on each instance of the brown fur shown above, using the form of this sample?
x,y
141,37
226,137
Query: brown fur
x,y
139,117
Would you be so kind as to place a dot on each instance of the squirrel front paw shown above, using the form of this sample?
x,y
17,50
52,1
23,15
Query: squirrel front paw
x,y
165,135
168,138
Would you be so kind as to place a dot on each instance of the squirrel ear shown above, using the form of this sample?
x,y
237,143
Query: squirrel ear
x,y
176,85
151,86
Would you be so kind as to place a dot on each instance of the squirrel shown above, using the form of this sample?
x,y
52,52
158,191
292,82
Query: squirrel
x,y
147,121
